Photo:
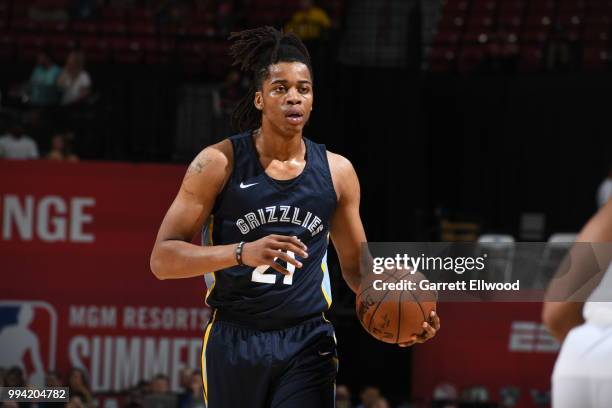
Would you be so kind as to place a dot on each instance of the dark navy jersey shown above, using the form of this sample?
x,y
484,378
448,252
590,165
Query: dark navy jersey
x,y
252,205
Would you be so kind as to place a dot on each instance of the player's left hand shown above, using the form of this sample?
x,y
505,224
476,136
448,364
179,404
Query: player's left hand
x,y
429,331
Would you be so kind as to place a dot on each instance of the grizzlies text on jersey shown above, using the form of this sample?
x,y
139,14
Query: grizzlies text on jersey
x,y
251,206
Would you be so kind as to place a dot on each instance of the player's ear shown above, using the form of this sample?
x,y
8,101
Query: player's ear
x,y
258,100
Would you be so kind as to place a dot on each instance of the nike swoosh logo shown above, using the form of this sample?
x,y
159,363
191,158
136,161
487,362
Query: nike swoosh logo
x,y
242,185
324,353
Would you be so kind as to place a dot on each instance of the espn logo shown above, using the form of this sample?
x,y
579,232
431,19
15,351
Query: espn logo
x,y
531,337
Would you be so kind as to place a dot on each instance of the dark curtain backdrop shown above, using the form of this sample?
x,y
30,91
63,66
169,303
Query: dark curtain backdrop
x,y
490,147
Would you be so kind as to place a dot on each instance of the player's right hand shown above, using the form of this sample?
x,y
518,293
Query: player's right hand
x,y
266,249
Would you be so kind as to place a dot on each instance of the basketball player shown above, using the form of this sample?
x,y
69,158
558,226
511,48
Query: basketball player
x,y
582,376
275,198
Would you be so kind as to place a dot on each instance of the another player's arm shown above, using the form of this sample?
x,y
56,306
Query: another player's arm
x,y
581,278
174,256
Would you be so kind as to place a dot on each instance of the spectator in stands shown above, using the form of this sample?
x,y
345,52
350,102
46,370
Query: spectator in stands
x,y
48,11
77,400
369,395
604,192
43,88
195,397
160,384
2,376
17,145
15,378
53,379
310,22
77,383
74,80
185,375
160,396
61,147
380,402
343,397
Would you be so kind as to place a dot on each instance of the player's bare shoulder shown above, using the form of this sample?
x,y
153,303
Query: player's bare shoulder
x,y
343,175
210,169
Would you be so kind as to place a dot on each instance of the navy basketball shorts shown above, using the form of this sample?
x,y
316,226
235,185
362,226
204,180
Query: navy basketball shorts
x,y
290,367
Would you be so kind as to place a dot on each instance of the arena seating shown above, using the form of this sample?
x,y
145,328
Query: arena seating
x,y
473,32
135,35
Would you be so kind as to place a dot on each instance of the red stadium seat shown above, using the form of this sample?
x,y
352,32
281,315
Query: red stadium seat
x,y
543,6
201,30
600,6
141,28
598,19
29,45
481,22
484,6
447,37
161,53
54,27
126,51
85,27
96,49
23,25
535,35
531,58
512,7
470,58
570,20
169,30
262,17
268,4
442,59
478,37
595,34
452,21
456,6
538,20
508,37
141,15
61,45
206,17
510,21
113,14
596,59
114,28
7,46
193,57
335,9
571,6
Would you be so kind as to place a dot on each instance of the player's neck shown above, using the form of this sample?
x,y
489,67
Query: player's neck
x,y
275,145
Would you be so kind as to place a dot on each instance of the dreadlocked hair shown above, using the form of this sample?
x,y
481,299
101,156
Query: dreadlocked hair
x,y
254,51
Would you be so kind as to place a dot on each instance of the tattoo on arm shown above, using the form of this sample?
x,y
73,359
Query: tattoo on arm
x,y
198,165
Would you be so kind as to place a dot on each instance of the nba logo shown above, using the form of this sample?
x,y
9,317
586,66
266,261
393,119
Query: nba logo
x,y
28,337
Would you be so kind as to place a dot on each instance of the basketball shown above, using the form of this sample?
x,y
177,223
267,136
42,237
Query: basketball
x,y
394,315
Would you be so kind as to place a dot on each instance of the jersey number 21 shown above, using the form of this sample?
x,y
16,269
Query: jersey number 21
x,y
260,275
